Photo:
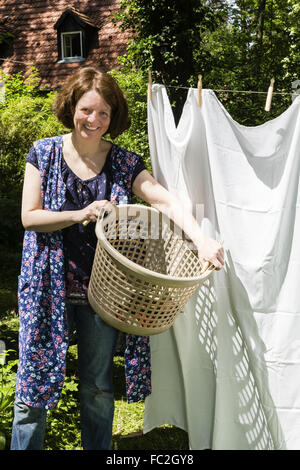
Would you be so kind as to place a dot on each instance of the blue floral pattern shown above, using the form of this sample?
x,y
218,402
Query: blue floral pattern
x,y
43,334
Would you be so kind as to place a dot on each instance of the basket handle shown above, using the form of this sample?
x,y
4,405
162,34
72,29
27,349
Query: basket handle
x,y
101,215
207,266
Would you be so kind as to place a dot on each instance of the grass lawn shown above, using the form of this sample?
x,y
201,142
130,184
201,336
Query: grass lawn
x,y
63,425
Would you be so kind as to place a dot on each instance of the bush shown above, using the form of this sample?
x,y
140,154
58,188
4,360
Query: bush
x,y
22,121
7,395
25,116
22,84
134,86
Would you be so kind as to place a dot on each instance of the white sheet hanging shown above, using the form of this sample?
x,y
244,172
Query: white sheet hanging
x,y
228,371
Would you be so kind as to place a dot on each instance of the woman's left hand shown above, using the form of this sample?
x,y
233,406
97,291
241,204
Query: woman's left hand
x,y
148,189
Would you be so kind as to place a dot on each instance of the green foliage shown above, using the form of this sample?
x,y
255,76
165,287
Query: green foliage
x,y
25,117
23,120
164,36
236,45
7,382
253,44
7,394
22,84
134,86
63,423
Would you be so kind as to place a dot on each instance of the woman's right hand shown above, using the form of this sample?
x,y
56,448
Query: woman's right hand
x,y
36,218
91,212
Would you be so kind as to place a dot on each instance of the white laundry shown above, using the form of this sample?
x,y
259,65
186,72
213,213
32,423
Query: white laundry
x,y
228,371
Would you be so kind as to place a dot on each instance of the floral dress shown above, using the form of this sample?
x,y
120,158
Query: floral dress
x,y
49,276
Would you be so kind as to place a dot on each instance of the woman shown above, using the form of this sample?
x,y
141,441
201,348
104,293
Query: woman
x,y
68,180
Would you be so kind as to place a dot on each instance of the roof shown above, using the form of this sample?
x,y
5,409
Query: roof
x,y
35,38
81,18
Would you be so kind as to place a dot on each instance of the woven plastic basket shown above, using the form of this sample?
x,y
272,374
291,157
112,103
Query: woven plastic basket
x,y
144,271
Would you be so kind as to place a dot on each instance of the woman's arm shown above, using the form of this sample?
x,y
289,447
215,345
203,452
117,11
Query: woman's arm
x,y
148,189
35,218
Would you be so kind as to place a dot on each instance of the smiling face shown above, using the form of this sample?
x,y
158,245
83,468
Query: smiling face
x,y
92,116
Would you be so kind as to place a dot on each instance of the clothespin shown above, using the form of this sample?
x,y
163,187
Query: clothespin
x,y
199,90
269,95
295,84
150,85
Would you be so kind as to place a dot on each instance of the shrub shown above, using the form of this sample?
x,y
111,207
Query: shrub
x,y
22,121
134,86
22,84
7,394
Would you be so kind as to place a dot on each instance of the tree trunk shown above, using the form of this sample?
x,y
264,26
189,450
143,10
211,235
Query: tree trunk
x,y
259,36
261,20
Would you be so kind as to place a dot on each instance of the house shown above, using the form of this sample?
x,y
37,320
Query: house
x,y
57,37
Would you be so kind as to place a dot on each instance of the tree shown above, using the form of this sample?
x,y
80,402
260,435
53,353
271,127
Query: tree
x,y
258,40
164,36
234,44
291,62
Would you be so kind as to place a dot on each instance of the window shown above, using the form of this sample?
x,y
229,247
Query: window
x,y
76,35
71,45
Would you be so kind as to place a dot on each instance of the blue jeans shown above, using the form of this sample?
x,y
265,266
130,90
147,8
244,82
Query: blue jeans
x,y
96,346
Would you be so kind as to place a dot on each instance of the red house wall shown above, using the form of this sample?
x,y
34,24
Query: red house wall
x,y
32,23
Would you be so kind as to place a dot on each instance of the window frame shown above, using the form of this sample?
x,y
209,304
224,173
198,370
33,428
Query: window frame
x,y
71,58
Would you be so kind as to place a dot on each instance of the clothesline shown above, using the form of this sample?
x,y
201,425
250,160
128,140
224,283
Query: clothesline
x,y
16,61
269,93
183,87
221,90
235,91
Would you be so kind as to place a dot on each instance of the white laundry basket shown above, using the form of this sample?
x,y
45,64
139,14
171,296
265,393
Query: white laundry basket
x,y
144,270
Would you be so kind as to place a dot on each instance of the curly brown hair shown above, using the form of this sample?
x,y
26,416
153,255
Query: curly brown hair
x,y
84,80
